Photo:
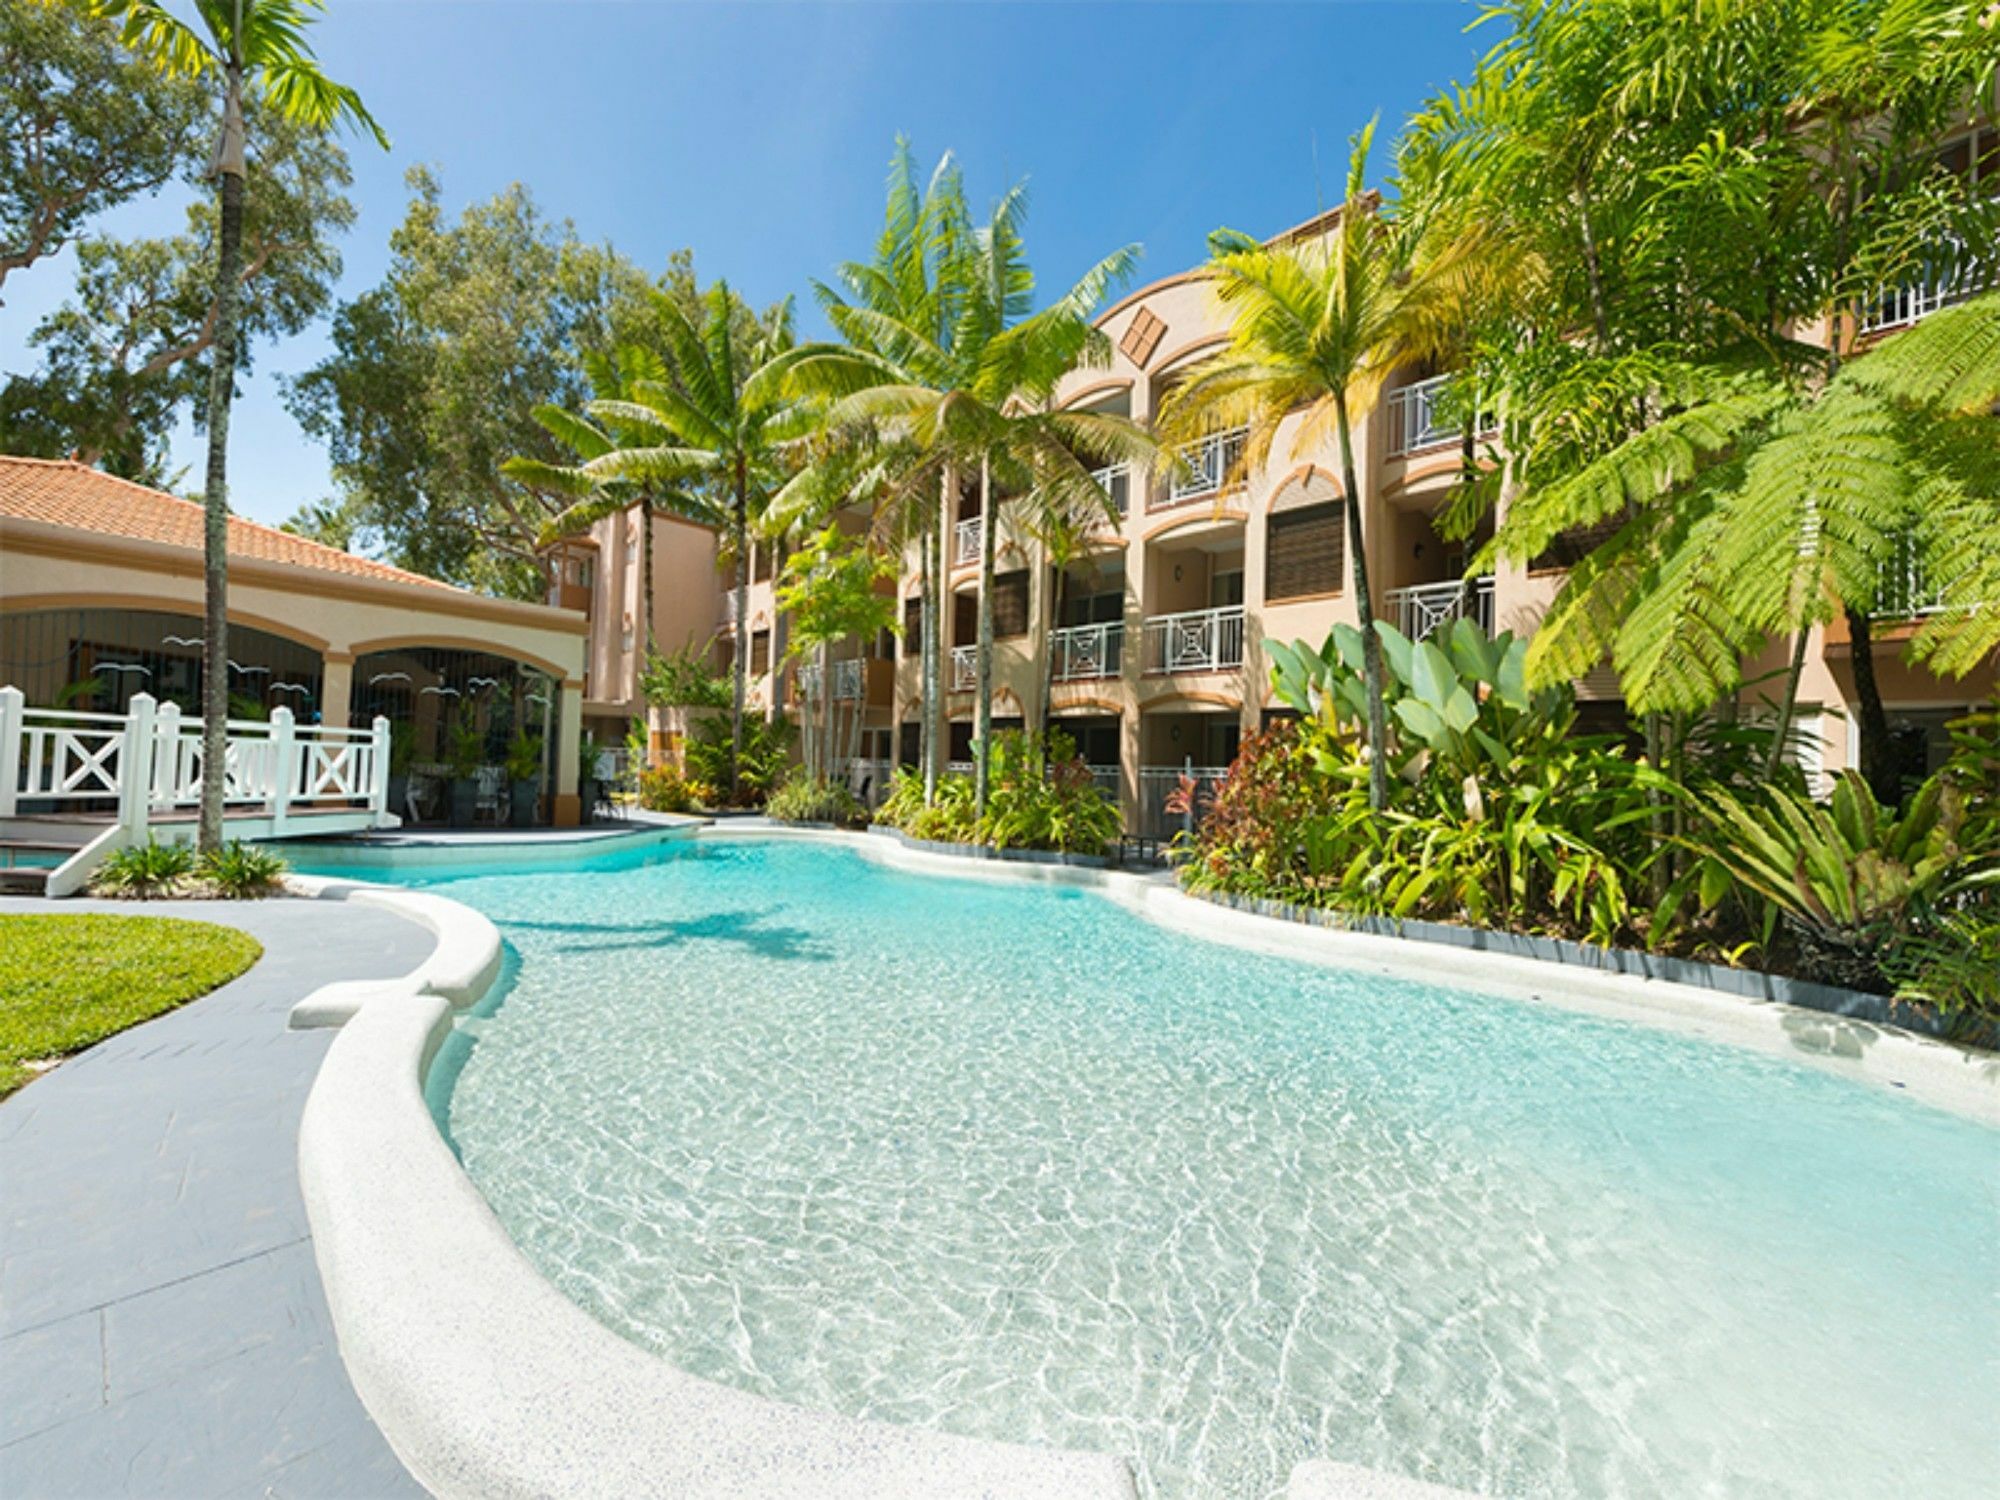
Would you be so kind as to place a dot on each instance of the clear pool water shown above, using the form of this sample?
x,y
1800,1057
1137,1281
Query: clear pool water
x,y
1009,1161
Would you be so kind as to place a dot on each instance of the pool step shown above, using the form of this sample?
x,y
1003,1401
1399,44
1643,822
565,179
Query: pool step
x,y
25,865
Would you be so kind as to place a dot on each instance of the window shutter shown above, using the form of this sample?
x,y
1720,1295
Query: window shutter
x,y
760,653
1010,605
913,626
1306,551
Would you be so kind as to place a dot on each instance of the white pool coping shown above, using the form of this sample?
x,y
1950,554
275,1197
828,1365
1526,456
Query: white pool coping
x,y
488,1382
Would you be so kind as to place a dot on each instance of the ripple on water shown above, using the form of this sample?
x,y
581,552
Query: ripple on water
x,y
1008,1161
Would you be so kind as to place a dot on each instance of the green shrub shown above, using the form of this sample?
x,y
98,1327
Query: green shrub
x,y
804,798
145,872
241,872
664,789
905,799
524,757
767,749
1040,795
950,818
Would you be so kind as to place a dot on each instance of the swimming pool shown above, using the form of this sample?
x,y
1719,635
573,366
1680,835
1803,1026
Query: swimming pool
x,y
1010,1161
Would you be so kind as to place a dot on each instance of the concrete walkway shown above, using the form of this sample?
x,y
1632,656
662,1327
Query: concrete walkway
x,y
162,1328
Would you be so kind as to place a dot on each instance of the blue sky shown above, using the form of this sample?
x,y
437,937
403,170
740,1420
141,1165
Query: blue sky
x,y
758,135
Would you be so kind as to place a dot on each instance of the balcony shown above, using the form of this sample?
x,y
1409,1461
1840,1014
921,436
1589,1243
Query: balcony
x,y
1430,607
966,540
1952,275
1116,481
1904,593
964,668
1199,640
1416,421
1078,653
847,680
1207,465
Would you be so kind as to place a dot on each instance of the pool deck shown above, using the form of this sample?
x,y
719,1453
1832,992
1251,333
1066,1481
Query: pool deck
x,y
163,1331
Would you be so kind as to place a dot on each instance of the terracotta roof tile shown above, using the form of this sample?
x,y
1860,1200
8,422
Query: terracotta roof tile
x,y
62,492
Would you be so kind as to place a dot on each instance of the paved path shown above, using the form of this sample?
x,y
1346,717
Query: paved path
x,y
162,1328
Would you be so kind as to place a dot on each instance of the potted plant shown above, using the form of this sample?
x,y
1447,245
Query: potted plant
x,y
587,753
464,749
524,778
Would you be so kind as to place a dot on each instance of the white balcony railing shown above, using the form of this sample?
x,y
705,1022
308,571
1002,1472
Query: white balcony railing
x,y
967,538
964,668
1116,481
146,763
1905,592
1080,652
1428,607
1200,640
846,680
1416,420
1203,466
1158,783
958,768
1951,275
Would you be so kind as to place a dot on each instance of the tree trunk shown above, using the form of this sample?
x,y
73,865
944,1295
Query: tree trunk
x,y
927,627
740,523
780,634
652,642
1788,702
1058,582
826,709
982,732
215,493
1364,609
1878,766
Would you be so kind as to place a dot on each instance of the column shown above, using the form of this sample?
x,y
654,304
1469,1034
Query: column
x,y
566,810
336,688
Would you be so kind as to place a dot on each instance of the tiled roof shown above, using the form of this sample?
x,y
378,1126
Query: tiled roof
x,y
62,492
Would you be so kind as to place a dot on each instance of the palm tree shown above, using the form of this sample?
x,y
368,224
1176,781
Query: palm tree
x,y
975,398
722,428
258,46
1316,326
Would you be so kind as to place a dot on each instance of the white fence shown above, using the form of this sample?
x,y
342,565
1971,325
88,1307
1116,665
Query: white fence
x,y
1952,275
968,536
1116,481
1204,465
1427,607
1080,652
1199,640
147,763
964,668
1415,421
846,679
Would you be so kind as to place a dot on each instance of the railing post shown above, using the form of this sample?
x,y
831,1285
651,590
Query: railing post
x,y
284,768
13,723
166,772
378,769
135,768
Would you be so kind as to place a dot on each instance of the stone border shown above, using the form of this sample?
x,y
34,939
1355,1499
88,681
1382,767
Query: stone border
x,y
488,1382
415,852
1750,984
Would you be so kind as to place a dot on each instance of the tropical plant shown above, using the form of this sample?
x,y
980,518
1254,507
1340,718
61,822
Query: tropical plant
x,y
1850,879
831,591
258,46
524,757
464,744
1317,325
806,798
719,432
241,872
905,799
963,380
145,872
684,678
1950,967
1044,797
664,789
741,777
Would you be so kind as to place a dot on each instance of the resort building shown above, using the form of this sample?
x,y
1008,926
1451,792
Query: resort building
x,y
101,588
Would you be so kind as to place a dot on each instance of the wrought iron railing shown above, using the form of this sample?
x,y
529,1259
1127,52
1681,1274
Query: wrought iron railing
x,y
1157,784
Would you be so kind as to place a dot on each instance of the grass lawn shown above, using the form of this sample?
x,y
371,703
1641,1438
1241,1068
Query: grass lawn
x,y
69,981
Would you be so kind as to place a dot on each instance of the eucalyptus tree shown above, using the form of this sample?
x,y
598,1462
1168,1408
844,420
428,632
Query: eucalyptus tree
x,y
245,49
975,397
1317,325
723,428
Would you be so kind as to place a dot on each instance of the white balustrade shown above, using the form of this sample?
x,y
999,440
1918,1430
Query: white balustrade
x,y
1951,274
1116,482
1416,422
964,668
847,679
1202,467
967,538
1199,640
1426,607
1080,652
147,762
